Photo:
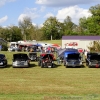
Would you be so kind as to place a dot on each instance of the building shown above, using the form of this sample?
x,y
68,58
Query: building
x,y
78,41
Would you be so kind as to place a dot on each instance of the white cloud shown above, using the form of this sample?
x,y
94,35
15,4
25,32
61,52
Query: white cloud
x,y
3,19
29,12
42,9
3,2
48,15
65,2
74,12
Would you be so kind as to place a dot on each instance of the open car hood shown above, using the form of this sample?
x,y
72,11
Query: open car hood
x,y
95,57
73,56
20,56
50,56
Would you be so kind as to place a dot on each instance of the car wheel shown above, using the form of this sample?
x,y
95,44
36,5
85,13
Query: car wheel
x,y
28,64
52,66
64,64
13,66
37,59
38,63
89,66
42,65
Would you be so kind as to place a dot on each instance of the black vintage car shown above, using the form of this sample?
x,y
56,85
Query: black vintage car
x,y
46,60
33,56
73,60
20,60
3,60
93,60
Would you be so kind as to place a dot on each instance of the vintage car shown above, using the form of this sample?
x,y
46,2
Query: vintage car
x,y
20,60
46,60
3,60
73,60
93,60
33,56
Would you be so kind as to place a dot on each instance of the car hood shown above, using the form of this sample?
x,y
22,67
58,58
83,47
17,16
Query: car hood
x,y
20,56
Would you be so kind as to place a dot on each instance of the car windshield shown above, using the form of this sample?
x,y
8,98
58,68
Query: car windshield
x,y
73,56
2,56
20,56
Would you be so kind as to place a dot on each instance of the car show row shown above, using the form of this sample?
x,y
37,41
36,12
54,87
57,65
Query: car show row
x,y
67,57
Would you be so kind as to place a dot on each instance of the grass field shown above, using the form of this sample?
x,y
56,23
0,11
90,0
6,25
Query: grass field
x,y
58,83
54,41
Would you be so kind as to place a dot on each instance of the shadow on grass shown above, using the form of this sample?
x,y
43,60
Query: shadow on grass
x,y
56,65
8,66
32,65
76,66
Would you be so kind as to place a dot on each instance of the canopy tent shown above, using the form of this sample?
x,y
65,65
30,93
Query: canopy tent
x,y
56,46
38,44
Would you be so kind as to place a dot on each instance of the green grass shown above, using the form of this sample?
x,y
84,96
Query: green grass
x,y
59,83
54,41
38,83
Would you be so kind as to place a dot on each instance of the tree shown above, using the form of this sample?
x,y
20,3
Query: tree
x,y
25,26
51,28
15,33
68,26
91,25
36,33
94,46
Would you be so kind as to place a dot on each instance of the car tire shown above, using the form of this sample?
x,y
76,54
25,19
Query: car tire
x,y
89,66
42,65
53,66
38,63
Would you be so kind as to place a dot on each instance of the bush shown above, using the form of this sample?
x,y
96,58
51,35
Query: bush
x,y
4,47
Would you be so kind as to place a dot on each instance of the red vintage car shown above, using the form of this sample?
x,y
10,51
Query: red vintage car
x,y
46,60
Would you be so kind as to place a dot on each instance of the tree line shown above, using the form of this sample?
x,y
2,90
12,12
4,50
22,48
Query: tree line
x,y
52,28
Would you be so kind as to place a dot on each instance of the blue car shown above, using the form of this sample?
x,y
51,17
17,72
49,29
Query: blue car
x,y
72,59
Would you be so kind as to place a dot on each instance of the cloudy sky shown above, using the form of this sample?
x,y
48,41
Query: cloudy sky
x,y
11,11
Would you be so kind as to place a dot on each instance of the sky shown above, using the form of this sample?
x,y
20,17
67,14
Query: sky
x,y
13,11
